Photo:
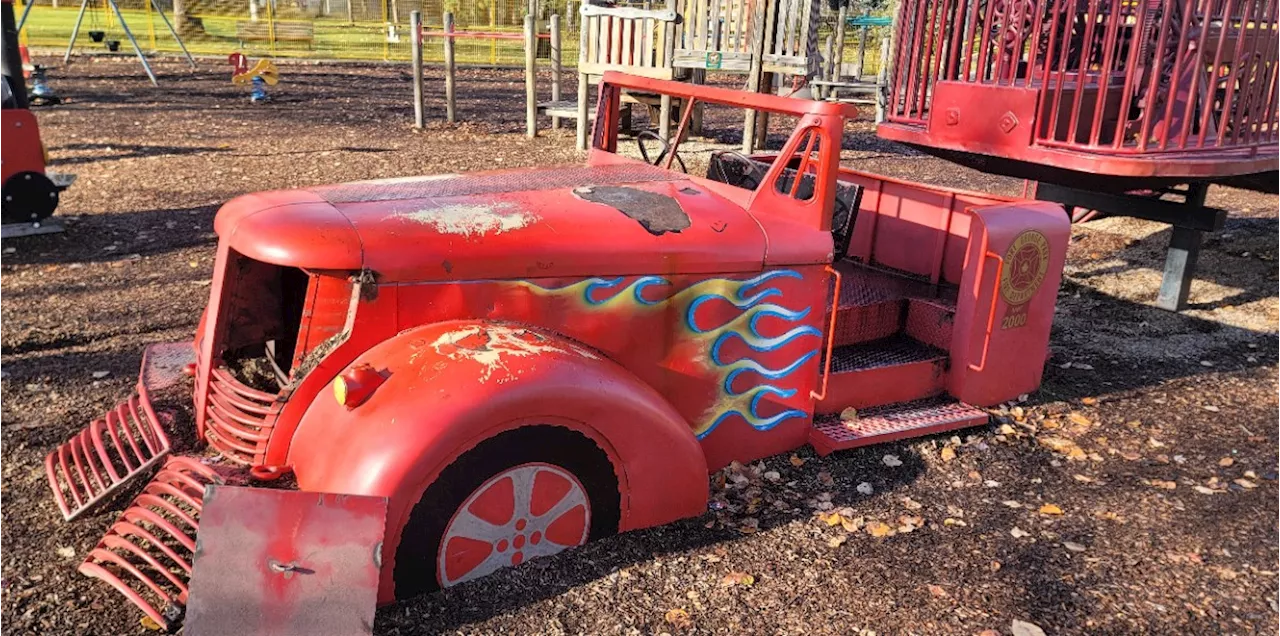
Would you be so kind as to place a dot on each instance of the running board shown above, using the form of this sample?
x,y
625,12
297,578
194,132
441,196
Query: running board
x,y
892,422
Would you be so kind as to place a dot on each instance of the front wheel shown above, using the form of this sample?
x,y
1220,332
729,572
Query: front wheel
x,y
525,493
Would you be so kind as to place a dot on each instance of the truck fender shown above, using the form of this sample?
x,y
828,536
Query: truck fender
x,y
448,386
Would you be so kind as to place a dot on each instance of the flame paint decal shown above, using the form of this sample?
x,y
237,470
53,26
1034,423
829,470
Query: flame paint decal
x,y
654,293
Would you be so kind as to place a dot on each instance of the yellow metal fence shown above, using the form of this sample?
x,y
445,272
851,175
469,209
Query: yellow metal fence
x,y
326,29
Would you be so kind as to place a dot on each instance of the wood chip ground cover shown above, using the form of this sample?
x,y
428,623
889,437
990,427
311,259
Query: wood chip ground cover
x,y
1107,547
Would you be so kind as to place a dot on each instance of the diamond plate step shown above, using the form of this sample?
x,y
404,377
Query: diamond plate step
x,y
876,304
893,422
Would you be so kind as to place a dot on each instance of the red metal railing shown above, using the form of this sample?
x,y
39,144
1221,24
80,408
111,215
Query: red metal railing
x,y
1114,77
238,418
147,553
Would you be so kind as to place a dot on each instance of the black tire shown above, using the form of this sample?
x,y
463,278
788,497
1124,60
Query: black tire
x,y
415,565
28,197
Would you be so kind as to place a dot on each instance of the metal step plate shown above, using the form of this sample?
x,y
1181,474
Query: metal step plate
x,y
893,422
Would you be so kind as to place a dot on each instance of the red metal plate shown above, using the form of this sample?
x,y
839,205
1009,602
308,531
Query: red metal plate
x,y
285,562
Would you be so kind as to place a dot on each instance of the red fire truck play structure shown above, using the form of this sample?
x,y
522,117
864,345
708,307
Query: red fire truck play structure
x,y
521,361
1127,107
29,191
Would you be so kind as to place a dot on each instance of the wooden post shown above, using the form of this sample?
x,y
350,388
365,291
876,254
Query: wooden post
x,y
762,23
862,48
450,88
826,73
882,79
583,84
697,76
530,76
556,67
415,48
841,18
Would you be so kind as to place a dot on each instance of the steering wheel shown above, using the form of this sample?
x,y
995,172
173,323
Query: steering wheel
x,y
748,176
666,147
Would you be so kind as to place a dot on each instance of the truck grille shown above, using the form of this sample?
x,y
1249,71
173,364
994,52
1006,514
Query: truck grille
x,y
239,418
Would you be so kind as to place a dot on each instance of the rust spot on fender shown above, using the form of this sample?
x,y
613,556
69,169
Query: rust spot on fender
x,y
472,218
656,213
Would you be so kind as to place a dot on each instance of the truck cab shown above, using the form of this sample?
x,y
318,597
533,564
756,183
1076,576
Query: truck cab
x,y
521,361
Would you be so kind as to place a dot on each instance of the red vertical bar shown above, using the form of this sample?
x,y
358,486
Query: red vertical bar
x,y
1248,107
968,40
986,43
899,56
1193,96
1227,102
1132,64
953,54
928,74
1272,109
1114,18
1155,64
914,75
1215,72
1179,59
1054,27
1038,16
1086,52
1062,72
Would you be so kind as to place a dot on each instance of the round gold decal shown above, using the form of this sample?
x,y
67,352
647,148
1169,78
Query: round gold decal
x,y
1025,264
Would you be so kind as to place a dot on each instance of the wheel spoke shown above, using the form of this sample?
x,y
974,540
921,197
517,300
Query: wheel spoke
x,y
473,527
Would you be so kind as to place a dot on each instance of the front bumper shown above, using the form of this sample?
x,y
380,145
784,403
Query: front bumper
x,y
126,442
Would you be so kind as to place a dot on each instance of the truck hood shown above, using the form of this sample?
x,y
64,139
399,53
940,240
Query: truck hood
x,y
618,218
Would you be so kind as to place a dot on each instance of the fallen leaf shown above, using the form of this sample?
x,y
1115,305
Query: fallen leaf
x,y
1079,419
1083,479
1050,509
150,623
911,504
1244,483
825,479
851,525
1019,533
1250,474
1072,546
830,518
1226,461
994,566
849,415
797,461
1062,446
1205,491
1159,483
1089,401
749,525
949,453
1211,408
678,618
1227,574
891,461
865,488
950,521
1011,503
773,476
98,375
1023,628
837,541
66,553
937,591
738,578
879,529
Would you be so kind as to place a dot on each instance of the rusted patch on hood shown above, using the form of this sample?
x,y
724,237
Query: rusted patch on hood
x,y
656,213
472,218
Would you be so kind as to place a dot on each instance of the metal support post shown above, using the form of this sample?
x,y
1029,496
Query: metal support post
x,y
415,52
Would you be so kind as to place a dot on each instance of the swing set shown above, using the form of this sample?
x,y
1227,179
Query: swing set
x,y
98,34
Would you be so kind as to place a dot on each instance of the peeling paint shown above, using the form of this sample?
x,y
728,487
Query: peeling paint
x,y
472,218
492,346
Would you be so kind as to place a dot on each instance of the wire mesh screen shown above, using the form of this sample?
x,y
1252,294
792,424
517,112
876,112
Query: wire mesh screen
x,y
316,29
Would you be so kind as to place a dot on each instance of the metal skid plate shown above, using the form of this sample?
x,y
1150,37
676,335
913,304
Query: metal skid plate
x,y
285,562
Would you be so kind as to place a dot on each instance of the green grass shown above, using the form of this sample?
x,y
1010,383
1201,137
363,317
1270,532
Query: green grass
x,y
48,27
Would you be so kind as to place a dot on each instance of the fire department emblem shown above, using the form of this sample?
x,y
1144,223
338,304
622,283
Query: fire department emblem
x,y
1025,264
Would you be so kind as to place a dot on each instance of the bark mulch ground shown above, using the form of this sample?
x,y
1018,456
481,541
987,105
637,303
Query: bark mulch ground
x,y
1134,493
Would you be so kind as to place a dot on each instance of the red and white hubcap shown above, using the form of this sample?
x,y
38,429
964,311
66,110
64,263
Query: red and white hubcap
x,y
524,512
